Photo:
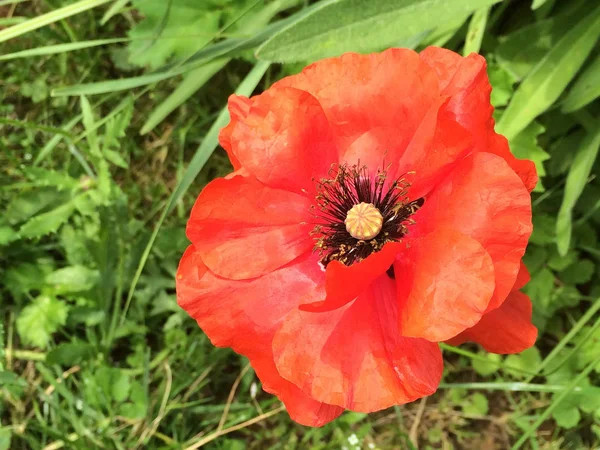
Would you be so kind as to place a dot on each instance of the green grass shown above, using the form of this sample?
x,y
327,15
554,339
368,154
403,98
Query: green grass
x,y
109,115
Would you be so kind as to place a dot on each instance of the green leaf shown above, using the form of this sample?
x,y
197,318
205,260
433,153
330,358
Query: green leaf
x,y
28,204
71,353
7,235
476,31
72,279
484,368
46,223
578,273
576,180
337,26
540,289
525,146
5,438
188,25
37,321
525,361
475,404
566,416
121,386
549,78
585,89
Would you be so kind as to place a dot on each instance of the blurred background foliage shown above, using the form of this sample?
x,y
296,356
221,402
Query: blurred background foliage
x,y
109,114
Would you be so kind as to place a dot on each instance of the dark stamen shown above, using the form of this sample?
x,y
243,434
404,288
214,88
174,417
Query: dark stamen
x,y
346,187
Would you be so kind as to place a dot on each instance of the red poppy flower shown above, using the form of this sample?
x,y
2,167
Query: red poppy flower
x,y
373,212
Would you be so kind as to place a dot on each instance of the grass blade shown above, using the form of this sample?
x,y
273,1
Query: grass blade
x,y
585,90
61,48
113,10
208,145
549,78
476,31
48,18
576,181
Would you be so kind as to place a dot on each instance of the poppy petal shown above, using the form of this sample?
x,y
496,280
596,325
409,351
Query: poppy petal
x,y
238,107
285,140
244,229
435,147
445,281
523,277
244,315
344,283
507,329
355,356
465,81
484,199
391,90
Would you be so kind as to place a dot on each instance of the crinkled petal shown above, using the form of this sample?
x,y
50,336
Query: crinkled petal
x,y
355,356
344,283
436,146
445,281
483,198
507,329
244,229
284,140
244,315
392,90
465,81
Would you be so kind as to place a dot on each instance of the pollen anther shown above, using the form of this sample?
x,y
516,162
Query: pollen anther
x,y
364,221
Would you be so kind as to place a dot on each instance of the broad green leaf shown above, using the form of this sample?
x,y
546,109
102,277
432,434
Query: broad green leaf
x,y
30,203
566,415
72,279
60,48
578,273
48,18
7,235
337,26
576,180
585,89
190,84
525,146
549,78
187,26
476,31
484,368
38,320
47,223
525,360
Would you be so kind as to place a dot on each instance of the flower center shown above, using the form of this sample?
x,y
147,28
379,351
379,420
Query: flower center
x,y
363,221
356,214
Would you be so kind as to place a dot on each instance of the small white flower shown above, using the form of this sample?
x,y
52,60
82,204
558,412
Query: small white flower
x,y
371,445
253,390
353,439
